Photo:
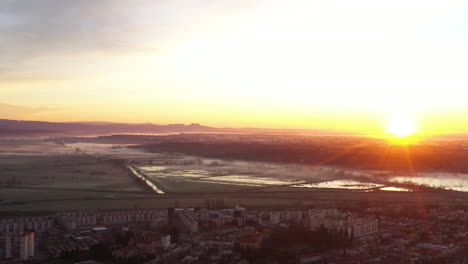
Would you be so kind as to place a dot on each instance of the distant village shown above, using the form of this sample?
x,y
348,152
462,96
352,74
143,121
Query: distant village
x,y
215,234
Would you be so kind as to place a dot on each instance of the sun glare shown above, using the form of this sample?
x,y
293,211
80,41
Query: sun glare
x,y
401,125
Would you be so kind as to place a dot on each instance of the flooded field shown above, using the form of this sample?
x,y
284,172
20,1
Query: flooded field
x,y
457,182
196,172
395,189
180,173
206,176
45,175
342,184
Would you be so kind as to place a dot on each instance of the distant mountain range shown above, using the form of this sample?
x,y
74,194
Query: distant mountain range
x,y
40,128
37,128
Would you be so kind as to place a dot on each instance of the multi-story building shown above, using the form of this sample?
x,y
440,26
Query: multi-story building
x,y
316,218
221,219
130,216
344,223
17,246
80,219
251,240
21,224
201,214
311,259
158,221
214,204
76,219
362,227
291,215
5,246
27,245
275,218
165,241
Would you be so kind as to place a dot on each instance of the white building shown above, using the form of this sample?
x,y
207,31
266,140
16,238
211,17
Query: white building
x,y
291,215
345,223
26,245
22,224
165,241
158,221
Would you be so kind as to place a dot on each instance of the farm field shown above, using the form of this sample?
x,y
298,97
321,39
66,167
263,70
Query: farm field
x,y
37,171
44,176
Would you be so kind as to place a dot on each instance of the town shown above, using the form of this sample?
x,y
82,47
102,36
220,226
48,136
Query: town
x,y
233,132
238,235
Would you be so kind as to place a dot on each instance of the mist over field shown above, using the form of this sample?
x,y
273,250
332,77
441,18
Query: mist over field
x,y
233,132
186,168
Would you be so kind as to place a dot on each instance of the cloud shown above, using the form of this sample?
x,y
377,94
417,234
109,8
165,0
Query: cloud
x,y
312,57
48,37
55,41
34,28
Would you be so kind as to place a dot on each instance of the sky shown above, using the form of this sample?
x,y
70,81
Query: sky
x,y
318,64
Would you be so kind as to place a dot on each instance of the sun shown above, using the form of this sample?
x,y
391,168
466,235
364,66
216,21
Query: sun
x,y
401,125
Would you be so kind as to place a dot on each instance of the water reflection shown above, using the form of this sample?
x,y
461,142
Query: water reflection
x,y
249,179
341,184
458,183
394,189
144,179
224,176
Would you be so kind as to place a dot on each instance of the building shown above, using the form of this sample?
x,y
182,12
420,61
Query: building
x,y
125,252
5,246
214,204
311,259
165,241
77,219
221,219
291,215
20,246
86,219
275,218
342,223
251,240
21,224
130,216
363,227
26,241
156,240
158,221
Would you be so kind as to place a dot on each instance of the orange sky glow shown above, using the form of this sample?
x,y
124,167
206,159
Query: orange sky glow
x,y
342,65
